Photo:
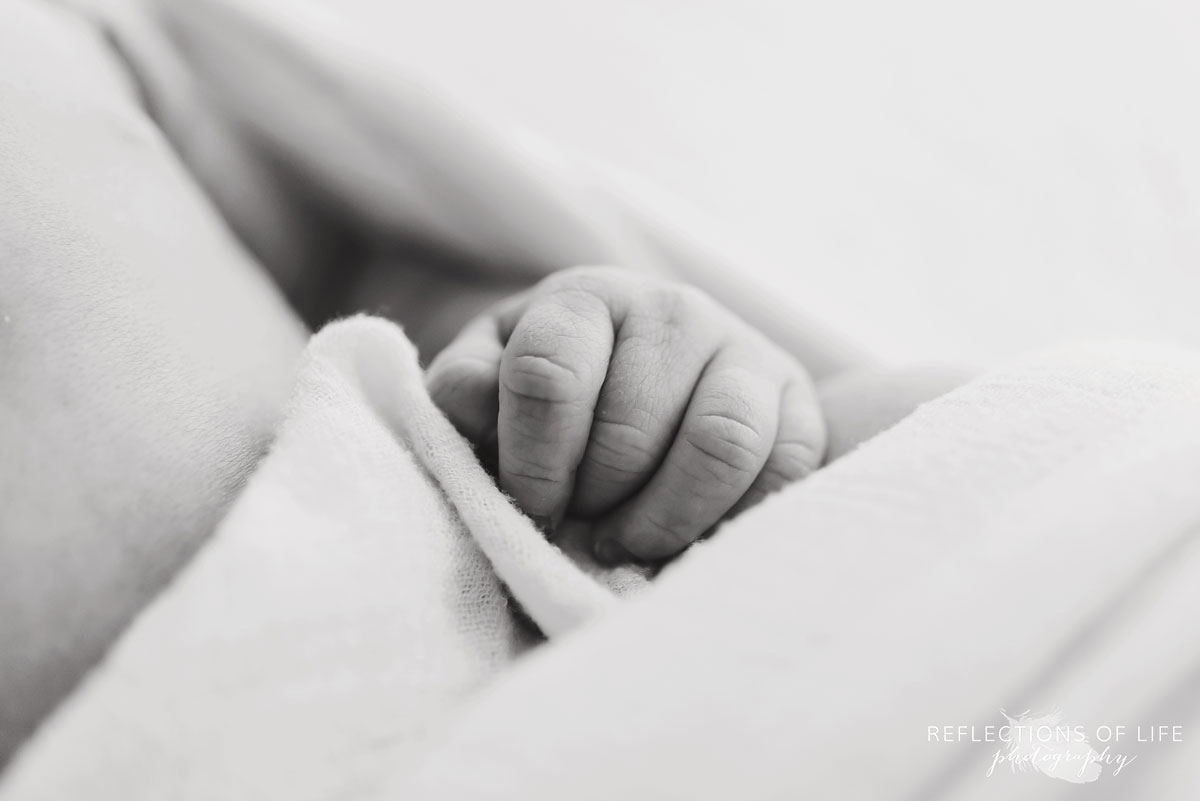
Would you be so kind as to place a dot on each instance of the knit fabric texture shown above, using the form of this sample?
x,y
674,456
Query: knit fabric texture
x,y
1026,542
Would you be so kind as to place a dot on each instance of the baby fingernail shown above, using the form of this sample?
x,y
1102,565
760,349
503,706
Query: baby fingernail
x,y
610,552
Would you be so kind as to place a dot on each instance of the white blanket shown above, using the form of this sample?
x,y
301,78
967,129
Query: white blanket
x,y
1028,541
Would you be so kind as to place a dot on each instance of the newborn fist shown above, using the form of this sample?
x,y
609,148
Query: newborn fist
x,y
639,405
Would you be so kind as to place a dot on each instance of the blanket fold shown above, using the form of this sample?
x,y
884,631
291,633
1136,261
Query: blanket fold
x,y
375,360
354,596
1028,542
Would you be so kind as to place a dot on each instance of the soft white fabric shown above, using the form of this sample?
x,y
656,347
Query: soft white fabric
x,y
126,310
1027,541
342,606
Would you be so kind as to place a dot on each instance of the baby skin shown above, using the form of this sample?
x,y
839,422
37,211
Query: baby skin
x,y
639,405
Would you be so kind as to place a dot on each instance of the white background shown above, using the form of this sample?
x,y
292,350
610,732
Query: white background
x,y
965,180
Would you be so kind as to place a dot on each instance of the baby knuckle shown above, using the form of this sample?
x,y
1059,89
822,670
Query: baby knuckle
x,y
792,461
532,471
542,378
448,388
448,376
620,448
669,306
731,447
666,317
805,437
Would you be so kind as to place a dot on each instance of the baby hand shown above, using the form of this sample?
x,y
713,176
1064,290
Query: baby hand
x,y
640,405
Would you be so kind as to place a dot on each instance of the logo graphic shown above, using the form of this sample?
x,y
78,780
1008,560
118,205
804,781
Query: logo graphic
x,y
1042,743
